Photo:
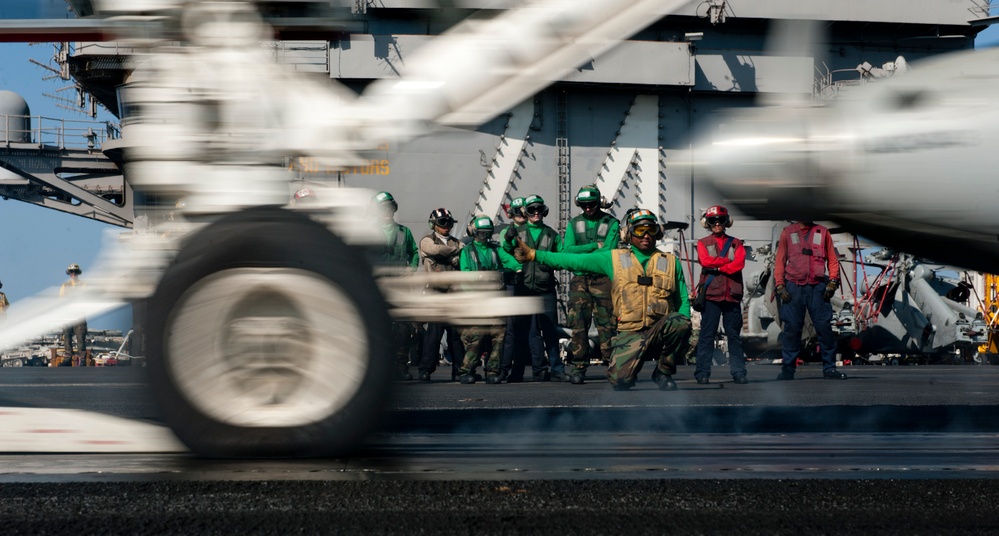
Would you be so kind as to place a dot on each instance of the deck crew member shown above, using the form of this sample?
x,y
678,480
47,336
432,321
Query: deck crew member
x,y
398,250
650,301
484,255
440,252
806,275
589,293
78,330
722,258
516,351
539,280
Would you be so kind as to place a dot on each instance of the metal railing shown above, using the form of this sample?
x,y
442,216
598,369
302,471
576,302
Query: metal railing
x,y
58,133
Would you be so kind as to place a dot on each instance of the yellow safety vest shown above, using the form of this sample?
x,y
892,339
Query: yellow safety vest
x,y
639,303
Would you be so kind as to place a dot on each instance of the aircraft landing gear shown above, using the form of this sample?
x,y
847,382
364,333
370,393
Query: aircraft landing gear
x,y
268,337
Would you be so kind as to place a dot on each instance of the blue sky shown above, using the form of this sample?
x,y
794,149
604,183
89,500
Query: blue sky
x,y
37,244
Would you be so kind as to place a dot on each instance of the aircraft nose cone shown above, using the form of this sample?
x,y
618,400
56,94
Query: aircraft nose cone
x,y
769,168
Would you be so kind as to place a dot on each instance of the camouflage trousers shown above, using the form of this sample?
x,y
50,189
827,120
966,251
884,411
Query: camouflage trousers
x,y
404,336
590,299
666,341
691,356
474,338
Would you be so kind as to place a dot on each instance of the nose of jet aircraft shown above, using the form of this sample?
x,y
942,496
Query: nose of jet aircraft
x,y
771,162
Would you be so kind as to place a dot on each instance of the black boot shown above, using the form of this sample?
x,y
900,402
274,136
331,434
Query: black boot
x,y
403,376
663,380
786,374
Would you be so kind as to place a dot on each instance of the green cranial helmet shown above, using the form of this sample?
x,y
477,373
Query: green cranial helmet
x,y
534,204
516,207
483,223
534,200
587,194
640,215
385,197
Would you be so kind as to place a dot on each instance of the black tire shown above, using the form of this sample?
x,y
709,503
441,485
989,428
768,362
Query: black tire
x,y
315,373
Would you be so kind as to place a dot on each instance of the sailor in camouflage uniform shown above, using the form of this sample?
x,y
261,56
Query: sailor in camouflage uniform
x,y
399,250
589,293
484,255
539,280
650,301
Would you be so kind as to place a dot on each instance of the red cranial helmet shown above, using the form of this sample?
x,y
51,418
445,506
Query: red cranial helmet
x,y
716,214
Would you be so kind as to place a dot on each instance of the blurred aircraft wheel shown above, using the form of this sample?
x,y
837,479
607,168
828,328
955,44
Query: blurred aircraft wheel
x,y
268,337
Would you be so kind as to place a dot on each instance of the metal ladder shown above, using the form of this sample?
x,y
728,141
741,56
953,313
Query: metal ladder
x,y
564,188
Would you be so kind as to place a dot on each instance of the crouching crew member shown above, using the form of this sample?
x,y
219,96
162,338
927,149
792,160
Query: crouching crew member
x,y
484,255
650,301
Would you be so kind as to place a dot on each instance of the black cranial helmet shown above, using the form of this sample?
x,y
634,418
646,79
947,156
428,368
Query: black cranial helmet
x,y
441,217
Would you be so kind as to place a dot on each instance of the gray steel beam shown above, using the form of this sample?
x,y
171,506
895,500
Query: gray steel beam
x,y
43,185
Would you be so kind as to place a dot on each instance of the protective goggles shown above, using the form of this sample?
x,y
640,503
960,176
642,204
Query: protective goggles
x,y
536,209
715,220
587,204
483,233
644,229
444,222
